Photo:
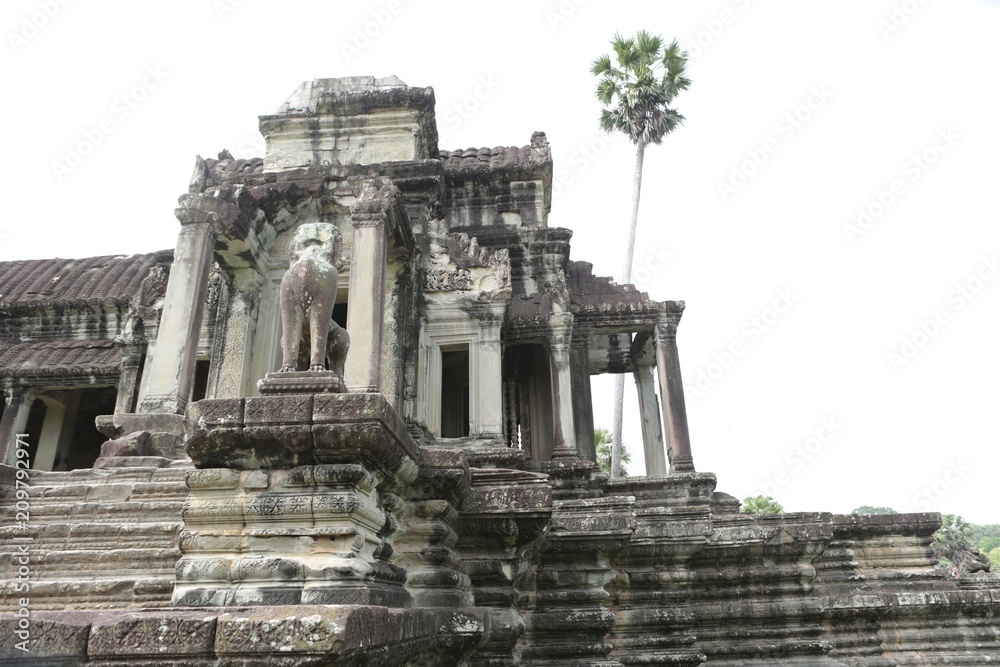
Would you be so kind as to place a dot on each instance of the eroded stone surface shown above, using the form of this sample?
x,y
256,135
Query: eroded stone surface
x,y
447,509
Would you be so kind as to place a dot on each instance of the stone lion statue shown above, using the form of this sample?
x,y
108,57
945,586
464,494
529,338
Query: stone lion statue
x,y
310,339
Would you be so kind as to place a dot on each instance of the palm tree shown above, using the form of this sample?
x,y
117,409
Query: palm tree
x,y
637,91
761,505
602,440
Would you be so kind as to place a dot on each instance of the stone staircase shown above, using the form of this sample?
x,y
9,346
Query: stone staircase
x,y
98,539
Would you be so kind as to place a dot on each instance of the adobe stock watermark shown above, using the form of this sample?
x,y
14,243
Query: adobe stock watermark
x,y
751,332
653,261
250,146
911,171
786,127
32,24
366,33
21,558
899,16
800,454
928,499
956,299
223,8
712,29
122,106
468,105
560,12
581,159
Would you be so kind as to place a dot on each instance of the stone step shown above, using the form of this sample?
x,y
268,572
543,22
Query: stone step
x,y
77,563
82,567
95,539
108,475
62,536
93,594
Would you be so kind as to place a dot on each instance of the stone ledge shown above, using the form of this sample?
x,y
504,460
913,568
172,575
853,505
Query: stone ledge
x,y
286,431
301,382
358,635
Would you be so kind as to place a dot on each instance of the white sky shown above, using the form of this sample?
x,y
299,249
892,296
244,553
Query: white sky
x,y
887,81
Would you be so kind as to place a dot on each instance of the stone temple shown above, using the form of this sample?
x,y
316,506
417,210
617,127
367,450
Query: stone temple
x,y
431,497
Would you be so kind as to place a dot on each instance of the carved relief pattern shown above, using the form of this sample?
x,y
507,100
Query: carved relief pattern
x,y
447,280
178,635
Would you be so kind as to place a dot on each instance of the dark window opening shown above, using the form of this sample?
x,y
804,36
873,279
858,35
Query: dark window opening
x,y
527,400
76,442
455,392
340,314
33,428
200,389
87,440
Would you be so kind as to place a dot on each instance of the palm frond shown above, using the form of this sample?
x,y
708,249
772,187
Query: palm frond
x,y
638,87
601,65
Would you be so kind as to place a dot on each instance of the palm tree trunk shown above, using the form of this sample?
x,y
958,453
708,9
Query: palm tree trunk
x,y
616,435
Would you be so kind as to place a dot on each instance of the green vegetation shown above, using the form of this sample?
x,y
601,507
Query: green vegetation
x,y
868,509
955,544
761,505
602,438
970,547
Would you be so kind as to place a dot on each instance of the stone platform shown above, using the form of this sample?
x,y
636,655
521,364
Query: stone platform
x,y
301,382
359,636
288,430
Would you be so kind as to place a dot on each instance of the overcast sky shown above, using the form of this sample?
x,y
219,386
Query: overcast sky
x,y
828,211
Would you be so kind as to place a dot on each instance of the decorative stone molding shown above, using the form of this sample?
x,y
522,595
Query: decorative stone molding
x,y
447,280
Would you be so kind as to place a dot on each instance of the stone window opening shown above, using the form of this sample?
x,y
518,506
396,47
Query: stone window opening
x,y
60,426
199,389
528,399
455,391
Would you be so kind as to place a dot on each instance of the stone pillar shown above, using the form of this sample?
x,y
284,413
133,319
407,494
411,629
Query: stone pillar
x,y
583,404
52,428
171,373
128,382
649,413
366,301
668,369
232,356
15,416
564,441
131,343
489,390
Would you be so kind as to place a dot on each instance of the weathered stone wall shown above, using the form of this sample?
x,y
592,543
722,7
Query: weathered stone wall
x,y
504,567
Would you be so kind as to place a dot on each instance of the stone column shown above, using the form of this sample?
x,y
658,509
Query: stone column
x,y
668,370
131,343
171,373
564,442
15,416
649,413
366,301
490,384
583,404
52,427
232,356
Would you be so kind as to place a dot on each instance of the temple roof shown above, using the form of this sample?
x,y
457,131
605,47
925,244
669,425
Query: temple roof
x,y
88,357
106,280
536,154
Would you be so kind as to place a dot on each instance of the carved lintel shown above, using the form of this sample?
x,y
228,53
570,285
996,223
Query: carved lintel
x,y
448,280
